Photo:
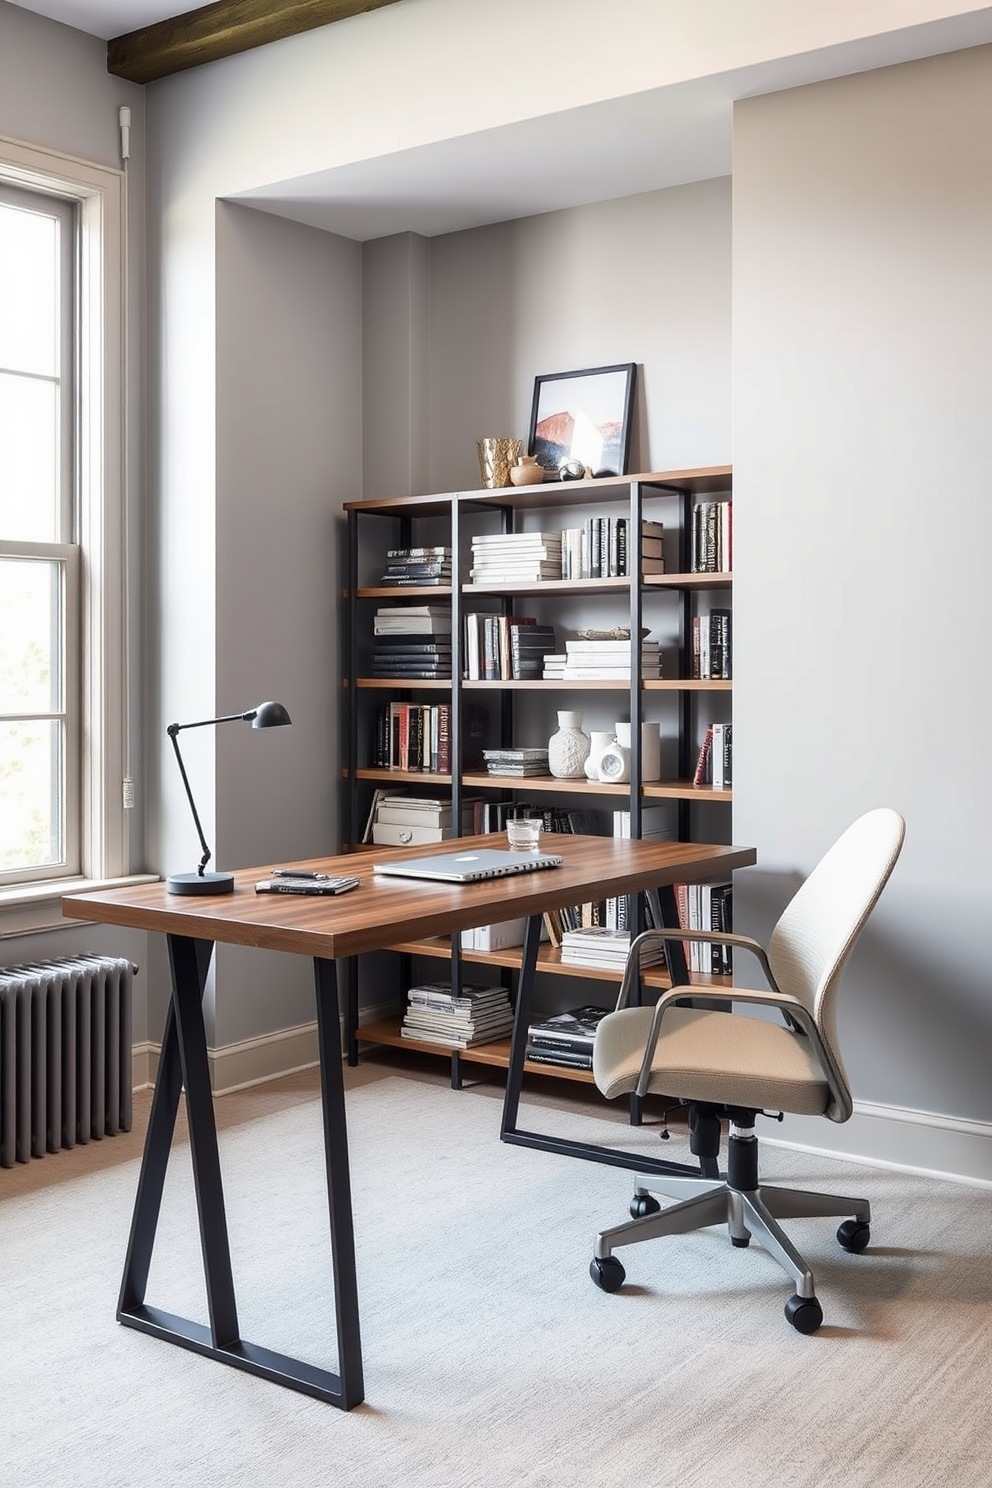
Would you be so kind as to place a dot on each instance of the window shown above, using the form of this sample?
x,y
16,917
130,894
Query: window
x,y
39,589
62,644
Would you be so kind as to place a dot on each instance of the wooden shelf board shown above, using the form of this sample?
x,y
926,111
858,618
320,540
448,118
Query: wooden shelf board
x,y
403,591
548,960
537,684
495,1054
704,480
688,581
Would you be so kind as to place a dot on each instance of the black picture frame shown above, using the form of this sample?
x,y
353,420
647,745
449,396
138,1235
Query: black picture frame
x,y
585,416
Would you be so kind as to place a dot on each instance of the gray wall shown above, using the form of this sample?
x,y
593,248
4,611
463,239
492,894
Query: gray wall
x,y
644,279
289,367
55,92
862,389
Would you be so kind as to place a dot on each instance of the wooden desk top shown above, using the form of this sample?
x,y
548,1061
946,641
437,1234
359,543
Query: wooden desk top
x,y
383,911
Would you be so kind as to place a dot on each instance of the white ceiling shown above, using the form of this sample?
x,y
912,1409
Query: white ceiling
x,y
106,18
640,142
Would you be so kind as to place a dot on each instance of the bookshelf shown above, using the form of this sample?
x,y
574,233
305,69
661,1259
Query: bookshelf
x,y
522,712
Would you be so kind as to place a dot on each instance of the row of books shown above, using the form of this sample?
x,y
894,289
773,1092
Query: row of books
x,y
715,761
711,537
599,549
502,648
475,1015
423,621
711,644
417,566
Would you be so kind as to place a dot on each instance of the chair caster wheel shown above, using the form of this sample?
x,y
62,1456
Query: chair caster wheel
x,y
854,1235
804,1313
642,1205
608,1274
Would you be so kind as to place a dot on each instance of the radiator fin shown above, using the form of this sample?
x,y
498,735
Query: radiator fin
x,y
65,1054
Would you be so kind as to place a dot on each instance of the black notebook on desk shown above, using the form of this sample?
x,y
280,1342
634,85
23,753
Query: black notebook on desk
x,y
470,867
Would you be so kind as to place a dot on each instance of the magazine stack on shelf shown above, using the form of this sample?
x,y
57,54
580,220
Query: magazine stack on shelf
x,y
417,566
435,1015
597,945
515,558
516,761
565,1040
606,659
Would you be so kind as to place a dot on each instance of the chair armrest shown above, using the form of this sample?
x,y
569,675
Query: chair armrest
x,y
631,974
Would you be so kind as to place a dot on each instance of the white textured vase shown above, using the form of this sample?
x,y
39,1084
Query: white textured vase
x,y
599,739
568,749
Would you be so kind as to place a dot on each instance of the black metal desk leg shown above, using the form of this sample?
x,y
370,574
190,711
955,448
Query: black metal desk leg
x,y
521,1021
338,1185
184,1064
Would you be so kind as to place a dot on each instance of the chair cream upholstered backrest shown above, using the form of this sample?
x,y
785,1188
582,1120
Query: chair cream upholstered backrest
x,y
812,941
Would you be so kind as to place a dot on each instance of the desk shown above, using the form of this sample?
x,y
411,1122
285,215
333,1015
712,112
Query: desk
x,y
379,913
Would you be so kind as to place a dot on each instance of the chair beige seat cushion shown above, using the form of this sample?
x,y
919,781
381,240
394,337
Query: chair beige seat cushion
x,y
725,1058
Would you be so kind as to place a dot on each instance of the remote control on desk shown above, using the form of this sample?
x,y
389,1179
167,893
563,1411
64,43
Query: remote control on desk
x,y
306,885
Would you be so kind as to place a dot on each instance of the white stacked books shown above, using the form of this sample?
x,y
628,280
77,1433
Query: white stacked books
x,y
516,558
408,821
603,660
477,1014
595,945
411,620
554,667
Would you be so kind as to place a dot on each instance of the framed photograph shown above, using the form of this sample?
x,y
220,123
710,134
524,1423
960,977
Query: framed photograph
x,y
583,416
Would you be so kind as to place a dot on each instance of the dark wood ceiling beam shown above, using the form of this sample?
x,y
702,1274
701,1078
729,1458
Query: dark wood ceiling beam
x,y
221,30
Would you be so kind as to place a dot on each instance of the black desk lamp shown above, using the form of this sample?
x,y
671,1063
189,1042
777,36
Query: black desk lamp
x,y
266,715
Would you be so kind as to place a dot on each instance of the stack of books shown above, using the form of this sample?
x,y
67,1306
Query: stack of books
x,y
417,566
516,761
412,736
554,666
411,642
596,945
435,1015
407,821
516,558
609,659
565,1040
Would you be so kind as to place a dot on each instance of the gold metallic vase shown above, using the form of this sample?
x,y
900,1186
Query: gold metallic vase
x,y
496,455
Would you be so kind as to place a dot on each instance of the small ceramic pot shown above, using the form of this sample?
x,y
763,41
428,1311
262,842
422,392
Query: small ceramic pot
x,y
599,739
527,472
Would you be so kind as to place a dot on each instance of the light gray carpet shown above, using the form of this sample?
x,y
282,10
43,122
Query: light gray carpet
x,y
490,1359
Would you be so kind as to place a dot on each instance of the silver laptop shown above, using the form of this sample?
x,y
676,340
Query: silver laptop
x,y
470,867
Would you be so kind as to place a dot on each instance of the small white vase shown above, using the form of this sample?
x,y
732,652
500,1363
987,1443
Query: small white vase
x,y
568,749
650,748
599,739
614,764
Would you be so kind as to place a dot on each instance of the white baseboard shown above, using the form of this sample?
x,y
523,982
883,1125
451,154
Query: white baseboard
x,y
881,1136
253,1061
920,1142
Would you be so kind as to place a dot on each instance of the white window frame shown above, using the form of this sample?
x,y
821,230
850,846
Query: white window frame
x,y
100,194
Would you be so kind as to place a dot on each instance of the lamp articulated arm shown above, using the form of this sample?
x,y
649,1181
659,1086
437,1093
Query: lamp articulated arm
x,y
266,715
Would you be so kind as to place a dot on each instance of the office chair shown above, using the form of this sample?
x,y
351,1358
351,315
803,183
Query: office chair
x,y
724,1065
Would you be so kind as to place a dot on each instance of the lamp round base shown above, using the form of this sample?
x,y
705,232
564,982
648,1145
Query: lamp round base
x,y
200,883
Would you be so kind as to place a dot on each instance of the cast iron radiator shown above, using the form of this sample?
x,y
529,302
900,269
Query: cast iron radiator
x,y
65,1054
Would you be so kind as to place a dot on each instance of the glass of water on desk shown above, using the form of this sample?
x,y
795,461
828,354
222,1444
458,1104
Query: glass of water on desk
x,y
523,833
